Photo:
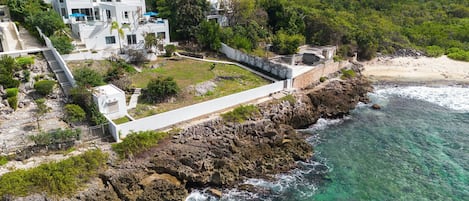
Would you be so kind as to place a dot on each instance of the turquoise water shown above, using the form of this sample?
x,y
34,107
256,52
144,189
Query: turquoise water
x,y
415,148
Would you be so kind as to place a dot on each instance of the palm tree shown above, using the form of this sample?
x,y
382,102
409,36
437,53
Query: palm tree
x,y
150,41
120,32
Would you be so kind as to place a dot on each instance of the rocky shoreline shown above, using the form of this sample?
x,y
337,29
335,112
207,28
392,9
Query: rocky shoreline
x,y
220,154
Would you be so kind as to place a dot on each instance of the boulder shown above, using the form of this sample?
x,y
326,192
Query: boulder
x,y
376,107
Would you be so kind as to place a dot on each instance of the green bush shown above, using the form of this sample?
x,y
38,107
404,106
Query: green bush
x,y
241,43
434,51
170,49
62,178
11,92
88,77
160,89
458,54
284,43
289,98
25,61
26,75
96,117
3,160
13,102
74,113
322,79
56,136
137,142
63,44
208,35
241,113
44,87
348,74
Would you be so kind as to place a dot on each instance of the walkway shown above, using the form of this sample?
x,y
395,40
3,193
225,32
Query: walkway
x,y
134,99
59,73
232,63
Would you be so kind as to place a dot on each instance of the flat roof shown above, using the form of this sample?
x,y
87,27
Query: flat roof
x,y
108,89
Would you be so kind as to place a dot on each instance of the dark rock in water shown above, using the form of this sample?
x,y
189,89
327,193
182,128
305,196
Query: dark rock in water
x,y
376,107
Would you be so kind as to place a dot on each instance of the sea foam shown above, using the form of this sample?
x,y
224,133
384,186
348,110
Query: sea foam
x,y
455,98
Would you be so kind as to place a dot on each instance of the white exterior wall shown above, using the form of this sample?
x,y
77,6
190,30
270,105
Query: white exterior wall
x,y
190,112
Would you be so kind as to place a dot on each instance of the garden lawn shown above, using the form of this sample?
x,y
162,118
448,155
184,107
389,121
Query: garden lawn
x,y
229,79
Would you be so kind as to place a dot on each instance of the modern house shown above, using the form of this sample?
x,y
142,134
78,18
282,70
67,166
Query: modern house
x,y
218,11
90,22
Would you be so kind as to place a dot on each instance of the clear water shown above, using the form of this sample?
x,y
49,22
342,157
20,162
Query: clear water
x,y
415,148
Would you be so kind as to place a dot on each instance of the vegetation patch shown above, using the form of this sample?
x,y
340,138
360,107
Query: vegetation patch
x,y
348,74
56,136
289,98
121,120
58,178
137,142
11,92
241,113
44,87
4,160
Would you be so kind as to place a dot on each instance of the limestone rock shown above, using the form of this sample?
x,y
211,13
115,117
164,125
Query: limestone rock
x,y
376,107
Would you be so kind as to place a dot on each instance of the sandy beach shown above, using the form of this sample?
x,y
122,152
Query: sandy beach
x,y
417,70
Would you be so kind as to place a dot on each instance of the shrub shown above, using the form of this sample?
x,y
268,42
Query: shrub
x,y
96,117
13,102
208,35
287,44
170,49
241,113
11,92
56,178
74,113
3,160
26,75
136,143
322,79
289,98
8,81
160,89
241,43
434,51
88,77
25,61
55,136
63,44
458,54
44,87
348,74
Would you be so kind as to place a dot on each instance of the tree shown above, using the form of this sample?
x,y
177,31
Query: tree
x,y
120,32
47,21
170,49
160,89
184,15
287,44
74,113
87,77
42,109
208,35
151,41
44,87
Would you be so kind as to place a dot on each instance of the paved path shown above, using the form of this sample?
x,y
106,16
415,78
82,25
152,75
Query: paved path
x,y
134,99
232,63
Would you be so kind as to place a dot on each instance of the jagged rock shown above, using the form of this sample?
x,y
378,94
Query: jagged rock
x,y
20,105
376,107
215,192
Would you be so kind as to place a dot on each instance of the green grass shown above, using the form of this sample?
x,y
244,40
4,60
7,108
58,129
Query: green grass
x,y
190,72
136,143
3,160
241,113
348,74
121,120
290,98
58,178
100,66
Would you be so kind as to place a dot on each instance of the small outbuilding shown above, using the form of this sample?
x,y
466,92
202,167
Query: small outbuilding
x,y
110,100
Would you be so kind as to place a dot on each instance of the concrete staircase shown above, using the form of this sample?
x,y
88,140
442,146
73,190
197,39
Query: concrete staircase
x,y
59,73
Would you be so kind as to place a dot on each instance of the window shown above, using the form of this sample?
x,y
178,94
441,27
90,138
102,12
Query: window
x,y
110,40
64,13
61,1
126,15
161,35
2,13
131,39
108,14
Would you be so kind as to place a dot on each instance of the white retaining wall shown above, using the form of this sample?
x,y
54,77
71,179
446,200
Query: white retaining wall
x,y
167,119
58,58
279,70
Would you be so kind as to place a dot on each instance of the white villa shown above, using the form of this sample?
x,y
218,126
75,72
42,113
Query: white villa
x,y
90,22
218,9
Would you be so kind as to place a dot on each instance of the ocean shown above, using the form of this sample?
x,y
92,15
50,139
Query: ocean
x,y
415,148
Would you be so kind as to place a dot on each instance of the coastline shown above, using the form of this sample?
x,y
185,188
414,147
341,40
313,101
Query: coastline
x,y
419,71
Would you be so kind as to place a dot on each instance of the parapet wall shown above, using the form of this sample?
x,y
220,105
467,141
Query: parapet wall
x,y
279,70
314,75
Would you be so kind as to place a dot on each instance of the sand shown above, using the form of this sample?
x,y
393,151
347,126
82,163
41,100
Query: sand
x,y
417,70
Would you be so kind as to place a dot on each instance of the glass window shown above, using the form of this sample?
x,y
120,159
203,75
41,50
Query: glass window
x,y
110,40
126,15
131,39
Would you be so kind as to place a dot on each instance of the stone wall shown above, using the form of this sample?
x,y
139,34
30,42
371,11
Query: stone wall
x,y
279,70
322,70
